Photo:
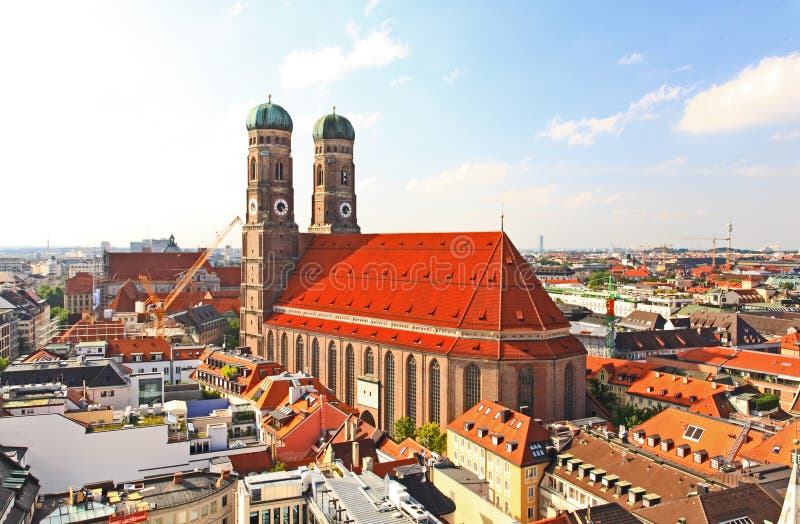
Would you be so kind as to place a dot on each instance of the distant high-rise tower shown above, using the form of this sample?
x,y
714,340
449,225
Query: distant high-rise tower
x,y
541,244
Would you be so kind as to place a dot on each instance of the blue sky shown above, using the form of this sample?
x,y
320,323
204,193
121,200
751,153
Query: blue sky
x,y
595,125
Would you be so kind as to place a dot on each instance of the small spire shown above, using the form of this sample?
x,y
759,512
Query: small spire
x,y
269,97
502,217
334,110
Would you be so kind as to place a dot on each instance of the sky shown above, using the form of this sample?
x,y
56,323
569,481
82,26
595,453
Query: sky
x,y
596,125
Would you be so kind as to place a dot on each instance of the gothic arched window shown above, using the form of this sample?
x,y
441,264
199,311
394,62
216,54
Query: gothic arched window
x,y
315,358
568,392
435,399
279,171
344,177
298,354
525,386
270,346
319,175
350,376
472,386
369,362
332,366
411,388
388,402
284,351
252,169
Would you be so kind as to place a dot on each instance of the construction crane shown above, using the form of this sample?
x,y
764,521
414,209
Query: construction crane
x,y
713,247
610,332
158,306
728,239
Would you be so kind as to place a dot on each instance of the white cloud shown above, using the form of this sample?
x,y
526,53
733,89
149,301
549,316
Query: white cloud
x,y
365,120
785,137
630,59
468,175
371,4
305,68
578,200
452,76
400,80
762,94
585,131
683,68
235,10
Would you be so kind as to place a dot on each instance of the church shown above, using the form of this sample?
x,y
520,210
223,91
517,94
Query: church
x,y
422,325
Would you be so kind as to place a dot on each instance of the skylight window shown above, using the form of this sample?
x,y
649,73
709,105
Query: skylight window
x,y
693,433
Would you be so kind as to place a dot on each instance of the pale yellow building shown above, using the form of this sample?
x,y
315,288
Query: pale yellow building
x,y
506,449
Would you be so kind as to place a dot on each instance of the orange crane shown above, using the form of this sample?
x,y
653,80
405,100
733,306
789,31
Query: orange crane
x,y
159,306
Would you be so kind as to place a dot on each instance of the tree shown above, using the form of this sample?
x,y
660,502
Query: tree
x,y
232,333
603,394
229,371
53,295
60,313
431,436
279,466
629,415
597,279
4,363
404,428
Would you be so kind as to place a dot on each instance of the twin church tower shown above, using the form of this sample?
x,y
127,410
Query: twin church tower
x,y
271,242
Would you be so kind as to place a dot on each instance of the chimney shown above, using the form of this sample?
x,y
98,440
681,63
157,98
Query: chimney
x,y
322,422
177,478
505,414
354,427
347,435
685,380
356,453
366,464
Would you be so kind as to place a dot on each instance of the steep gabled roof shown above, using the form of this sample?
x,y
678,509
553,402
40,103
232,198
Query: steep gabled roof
x,y
531,438
80,284
458,280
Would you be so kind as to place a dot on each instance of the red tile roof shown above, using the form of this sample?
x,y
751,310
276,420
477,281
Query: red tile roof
x,y
459,280
673,389
229,276
716,405
255,462
158,266
620,372
777,449
517,428
128,346
127,296
41,356
80,284
758,361
257,369
717,437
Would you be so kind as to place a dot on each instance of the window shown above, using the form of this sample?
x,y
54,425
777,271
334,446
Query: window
x,y
369,362
525,384
388,410
315,358
279,171
111,393
411,388
284,351
350,376
261,140
472,386
213,506
270,346
224,500
693,433
568,392
435,399
531,492
344,177
531,514
327,149
332,366
298,353
319,175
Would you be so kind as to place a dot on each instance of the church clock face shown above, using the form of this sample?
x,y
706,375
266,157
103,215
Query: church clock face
x,y
253,206
281,207
345,209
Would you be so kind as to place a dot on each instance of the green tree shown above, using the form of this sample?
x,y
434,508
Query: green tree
x,y
60,313
53,295
279,466
229,371
4,363
431,436
404,428
603,394
597,279
232,333
629,415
